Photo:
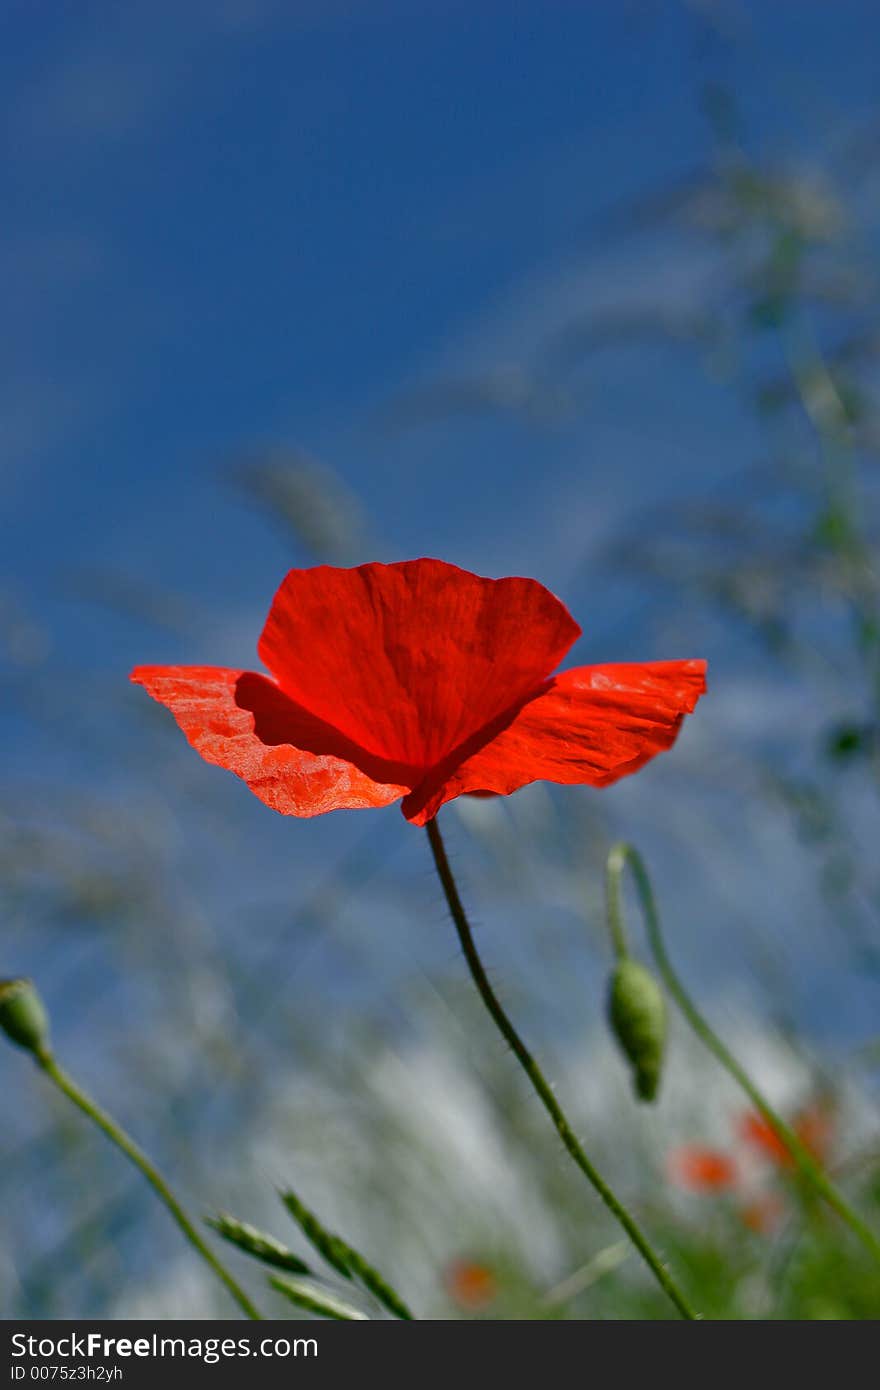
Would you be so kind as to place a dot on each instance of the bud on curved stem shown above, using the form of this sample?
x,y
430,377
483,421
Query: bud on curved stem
x,y
623,856
23,1018
637,1012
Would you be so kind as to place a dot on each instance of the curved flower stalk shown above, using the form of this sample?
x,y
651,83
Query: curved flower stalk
x,y
24,1020
623,856
541,1086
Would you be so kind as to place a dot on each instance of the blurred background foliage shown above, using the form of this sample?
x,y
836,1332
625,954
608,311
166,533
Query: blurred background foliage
x,y
267,1002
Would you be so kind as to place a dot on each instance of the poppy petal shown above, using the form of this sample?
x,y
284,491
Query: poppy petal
x,y
243,722
411,660
592,724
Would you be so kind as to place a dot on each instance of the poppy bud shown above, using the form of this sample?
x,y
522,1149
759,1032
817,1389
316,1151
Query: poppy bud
x,y
23,1016
637,1011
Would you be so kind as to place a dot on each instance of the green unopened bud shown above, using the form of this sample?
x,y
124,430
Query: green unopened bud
x,y
637,1011
23,1016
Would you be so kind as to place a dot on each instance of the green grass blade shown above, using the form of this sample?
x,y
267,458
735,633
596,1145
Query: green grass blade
x,y
261,1246
344,1258
316,1299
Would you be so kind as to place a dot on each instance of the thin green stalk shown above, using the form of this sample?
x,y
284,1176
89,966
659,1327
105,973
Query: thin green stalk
x,y
623,855
540,1084
826,411
127,1146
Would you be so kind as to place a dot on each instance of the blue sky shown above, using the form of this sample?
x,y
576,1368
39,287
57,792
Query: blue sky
x,y
240,223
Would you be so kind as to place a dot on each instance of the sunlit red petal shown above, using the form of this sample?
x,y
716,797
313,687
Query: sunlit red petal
x,y
411,660
292,761
702,1169
592,725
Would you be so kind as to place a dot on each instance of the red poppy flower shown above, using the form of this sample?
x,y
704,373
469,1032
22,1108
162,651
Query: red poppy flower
x,y
422,681
701,1169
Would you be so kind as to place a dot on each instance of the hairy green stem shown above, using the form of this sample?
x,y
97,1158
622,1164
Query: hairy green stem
x,y
623,856
117,1136
540,1084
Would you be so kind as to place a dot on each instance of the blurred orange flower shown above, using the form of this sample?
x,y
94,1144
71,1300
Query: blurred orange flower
x,y
702,1169
813,1124
470,1284
764,1214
